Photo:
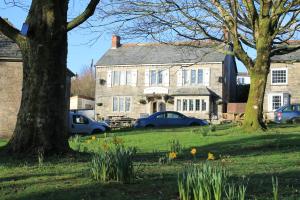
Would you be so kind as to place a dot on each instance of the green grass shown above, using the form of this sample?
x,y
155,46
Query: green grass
x,y
251,158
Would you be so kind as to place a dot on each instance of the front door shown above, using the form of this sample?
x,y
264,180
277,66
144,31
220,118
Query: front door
x,y
154,107
161,107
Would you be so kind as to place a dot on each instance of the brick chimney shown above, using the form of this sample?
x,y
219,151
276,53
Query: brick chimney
x,y
115,41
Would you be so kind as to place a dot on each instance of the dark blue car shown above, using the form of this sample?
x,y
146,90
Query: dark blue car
x,y
168,119
288,113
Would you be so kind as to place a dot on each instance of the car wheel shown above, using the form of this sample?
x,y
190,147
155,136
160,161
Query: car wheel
x,y
295,121
97,131
149,126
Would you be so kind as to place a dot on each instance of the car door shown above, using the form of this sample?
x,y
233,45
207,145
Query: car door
x,y
175,119
160,120
80,124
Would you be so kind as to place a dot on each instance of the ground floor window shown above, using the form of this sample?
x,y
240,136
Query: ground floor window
x,y
121,104
191,105
275,101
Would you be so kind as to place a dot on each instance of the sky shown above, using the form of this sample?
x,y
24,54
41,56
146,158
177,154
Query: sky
x,y
81,51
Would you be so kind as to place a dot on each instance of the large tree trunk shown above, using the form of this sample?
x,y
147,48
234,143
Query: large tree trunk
x,y
42,118
258,74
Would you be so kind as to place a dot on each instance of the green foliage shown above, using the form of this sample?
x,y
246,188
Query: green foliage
x,y
175,146
275,188
40,157
206,182
75,142
114,164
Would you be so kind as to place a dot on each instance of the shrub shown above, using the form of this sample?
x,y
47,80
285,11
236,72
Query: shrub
x,y
205,182
114,164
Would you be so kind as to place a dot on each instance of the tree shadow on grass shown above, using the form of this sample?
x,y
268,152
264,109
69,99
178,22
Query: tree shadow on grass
x,y
255,145
154,186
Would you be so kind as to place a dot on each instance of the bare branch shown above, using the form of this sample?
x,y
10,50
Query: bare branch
x,y
88,12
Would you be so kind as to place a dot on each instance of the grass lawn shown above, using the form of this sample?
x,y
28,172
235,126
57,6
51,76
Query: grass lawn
x,y
250,158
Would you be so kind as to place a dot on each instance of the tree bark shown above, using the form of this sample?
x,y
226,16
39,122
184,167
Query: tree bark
x,y
42,119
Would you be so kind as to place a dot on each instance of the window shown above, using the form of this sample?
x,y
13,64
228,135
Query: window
x,y
203,105
191,104
161,116
276,102
197,106
128,77
173,116
178,105
193,76
279,76
79,119
121,104
127,104
121,77
160,77
115,104
200,76
184,105
116,78
153,77
185,77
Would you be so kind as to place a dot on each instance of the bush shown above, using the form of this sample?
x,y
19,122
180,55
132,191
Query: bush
x,y
206,182
114,164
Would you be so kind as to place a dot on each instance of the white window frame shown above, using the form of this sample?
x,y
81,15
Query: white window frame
x,y
126,73
286,78
124,104
159,74
188,70
270,100
188,105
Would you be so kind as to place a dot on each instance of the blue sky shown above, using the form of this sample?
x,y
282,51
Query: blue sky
x,y
80,52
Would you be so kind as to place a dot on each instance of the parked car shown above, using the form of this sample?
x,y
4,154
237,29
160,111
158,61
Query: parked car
x,y
80,124
288,113
167,119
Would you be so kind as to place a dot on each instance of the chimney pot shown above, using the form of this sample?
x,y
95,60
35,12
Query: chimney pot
x,y
116,41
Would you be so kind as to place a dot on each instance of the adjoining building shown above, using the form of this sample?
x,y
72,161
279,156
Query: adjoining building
x,y
135,80
11,76
283,82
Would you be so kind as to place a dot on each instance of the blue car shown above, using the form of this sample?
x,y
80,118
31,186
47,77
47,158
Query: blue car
x,y
288,113
168,119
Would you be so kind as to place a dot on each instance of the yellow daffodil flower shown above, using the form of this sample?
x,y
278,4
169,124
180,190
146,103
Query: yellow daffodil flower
x,y
193,151
210,156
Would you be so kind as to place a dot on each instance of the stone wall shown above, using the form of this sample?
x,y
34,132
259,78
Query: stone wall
x,y
104,94
10,95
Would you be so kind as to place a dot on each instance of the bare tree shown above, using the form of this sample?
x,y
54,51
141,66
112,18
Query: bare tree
x,y
42,119
266,26
84,83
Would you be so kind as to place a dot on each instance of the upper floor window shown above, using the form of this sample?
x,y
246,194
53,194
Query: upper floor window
x,y
193,77
155,77
279,76
121,77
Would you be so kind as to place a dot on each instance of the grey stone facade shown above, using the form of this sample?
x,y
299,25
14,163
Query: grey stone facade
x,y
146,98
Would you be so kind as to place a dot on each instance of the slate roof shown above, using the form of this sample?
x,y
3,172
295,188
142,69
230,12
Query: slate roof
x,y
159,54
293,56
8,48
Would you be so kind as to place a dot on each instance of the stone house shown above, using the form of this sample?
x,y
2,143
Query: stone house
x,y
11,75
283,82
136,80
